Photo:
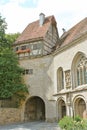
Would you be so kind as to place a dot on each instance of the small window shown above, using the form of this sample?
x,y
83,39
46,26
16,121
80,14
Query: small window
x,y
23,47
35,47
28,71
23,72
17,48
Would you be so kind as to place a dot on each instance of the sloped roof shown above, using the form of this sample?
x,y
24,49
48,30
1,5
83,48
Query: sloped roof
x,y
74,33
35,31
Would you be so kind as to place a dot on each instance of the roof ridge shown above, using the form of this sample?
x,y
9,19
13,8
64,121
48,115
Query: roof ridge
x,y
75,32
81,21
45,18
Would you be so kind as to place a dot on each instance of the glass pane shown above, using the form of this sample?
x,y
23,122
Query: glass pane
x,y
81,77
78,78
85,76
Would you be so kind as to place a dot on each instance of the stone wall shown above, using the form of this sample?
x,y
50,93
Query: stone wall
x,y
9,115
40,82
65,58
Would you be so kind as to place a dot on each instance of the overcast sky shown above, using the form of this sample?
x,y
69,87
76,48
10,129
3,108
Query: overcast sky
x,y
19,13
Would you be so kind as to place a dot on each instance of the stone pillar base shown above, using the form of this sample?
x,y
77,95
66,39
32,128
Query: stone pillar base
x,y
51,120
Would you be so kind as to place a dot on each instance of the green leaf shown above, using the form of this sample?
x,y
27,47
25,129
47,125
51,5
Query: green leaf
x,y
11,81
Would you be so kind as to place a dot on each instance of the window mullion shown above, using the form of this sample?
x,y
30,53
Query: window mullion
x,y
78,76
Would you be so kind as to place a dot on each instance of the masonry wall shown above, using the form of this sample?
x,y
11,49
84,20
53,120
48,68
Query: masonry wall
x,y
10,115
64,58
40,82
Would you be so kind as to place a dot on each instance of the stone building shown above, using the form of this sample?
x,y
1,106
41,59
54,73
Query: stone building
x,y
35,47
55,70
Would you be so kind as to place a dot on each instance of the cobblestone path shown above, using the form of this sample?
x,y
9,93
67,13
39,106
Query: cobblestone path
x,y
31,126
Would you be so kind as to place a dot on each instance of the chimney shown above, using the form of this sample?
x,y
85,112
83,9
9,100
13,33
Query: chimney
x,y
42,19
63,30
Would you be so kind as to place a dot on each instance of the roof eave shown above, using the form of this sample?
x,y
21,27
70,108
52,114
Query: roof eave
x,y
28,41
73,42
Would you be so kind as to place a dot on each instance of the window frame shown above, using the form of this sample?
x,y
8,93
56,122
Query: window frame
x,y
60,79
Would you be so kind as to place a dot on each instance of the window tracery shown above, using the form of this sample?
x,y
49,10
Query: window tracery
x,y
82,71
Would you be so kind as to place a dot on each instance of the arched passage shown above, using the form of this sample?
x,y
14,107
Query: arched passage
x,y
61,109
79,106
34,109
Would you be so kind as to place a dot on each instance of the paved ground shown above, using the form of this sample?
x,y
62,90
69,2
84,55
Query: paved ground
x,y
31,126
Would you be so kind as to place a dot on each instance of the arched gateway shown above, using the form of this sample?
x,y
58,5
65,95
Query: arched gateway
x,y
34,109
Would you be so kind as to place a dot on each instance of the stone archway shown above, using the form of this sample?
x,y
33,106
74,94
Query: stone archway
x,y
61,109
34,109
79,106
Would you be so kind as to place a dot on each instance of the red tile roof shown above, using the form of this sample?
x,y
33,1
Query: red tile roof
x,y
35,31
74,33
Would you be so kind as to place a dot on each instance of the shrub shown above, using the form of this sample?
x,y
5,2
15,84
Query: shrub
x,y
77,118
68,123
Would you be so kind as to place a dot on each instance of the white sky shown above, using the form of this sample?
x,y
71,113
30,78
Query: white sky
x,y
19,13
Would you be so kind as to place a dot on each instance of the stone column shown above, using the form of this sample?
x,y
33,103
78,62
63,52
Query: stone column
x,y
86,104
68,108
85,112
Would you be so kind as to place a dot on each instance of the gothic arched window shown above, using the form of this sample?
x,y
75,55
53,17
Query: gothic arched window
x,y
60,79
82,71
